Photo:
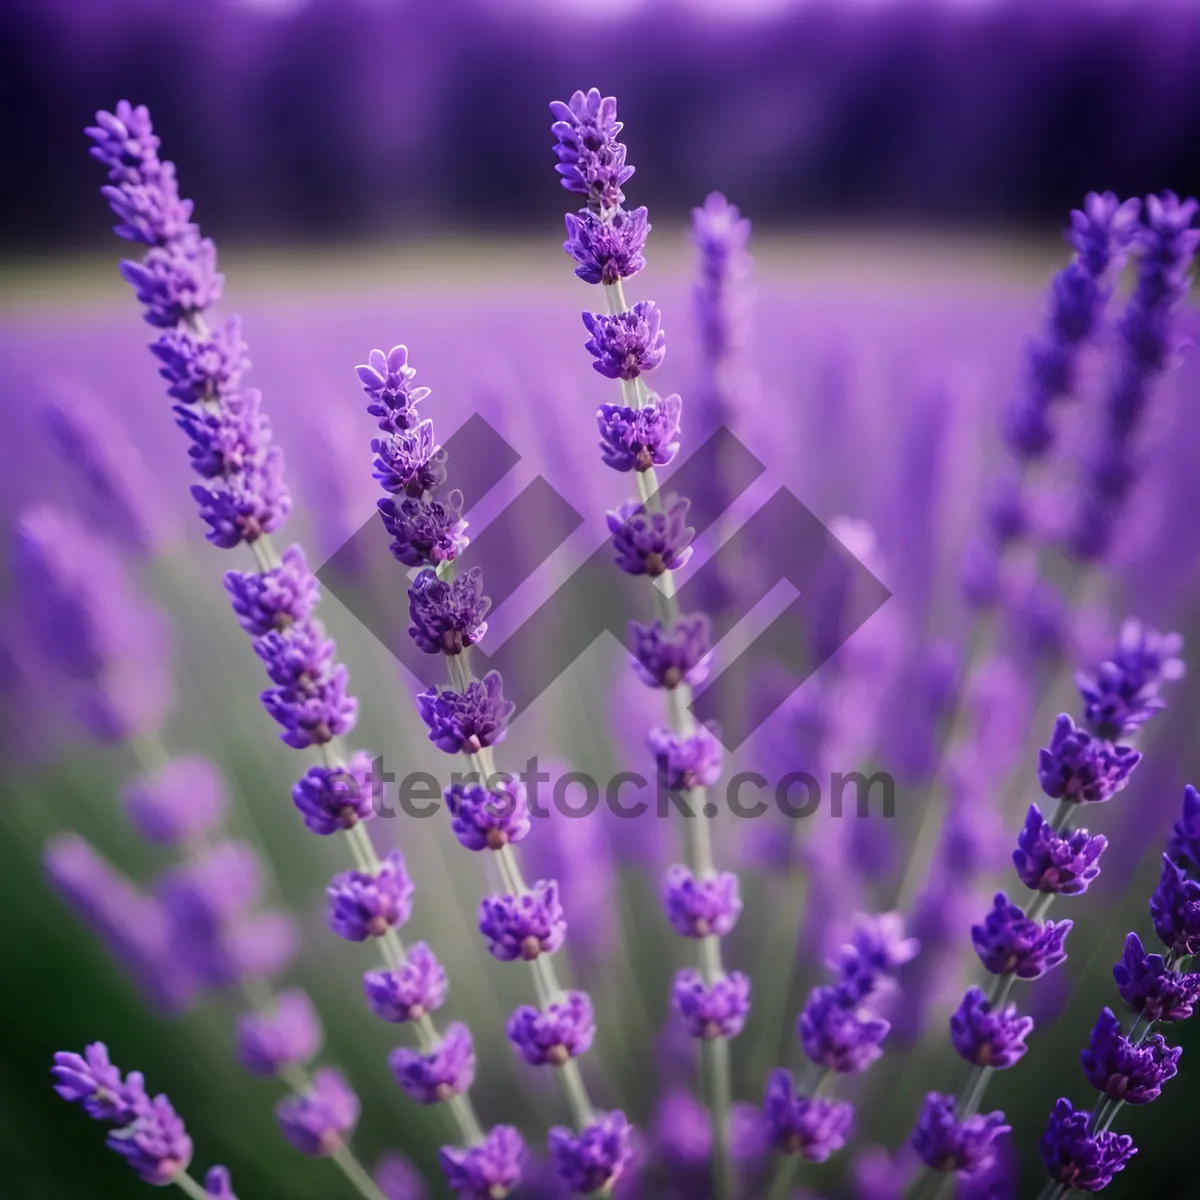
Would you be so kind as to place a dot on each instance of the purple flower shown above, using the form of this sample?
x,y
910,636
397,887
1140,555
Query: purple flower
x,y
1175,910
607,251
1124,1071
447,615
563,1031
699,908
177,281
218,1184
594,1158
275,599
488,818
363,906
319,1121
309,698
409,991
251,503
398,1179
686,760
226,440
216,886
409,461
1081,768
838,1032
878,947
715,1010
721,236
156,1144
947,1144
487,1171
444,1072
1153,989
1100,234
387,381
523,926
331,799
1084,1161
80,610
202,367
1063,864
628,344
464,722
425,531
590,159
92,1082
811,1126
649,543
291,1033
125,143
131,923
1122,694
1183,847
113,486
181,801
987,1038
1008,942
668,657
636,439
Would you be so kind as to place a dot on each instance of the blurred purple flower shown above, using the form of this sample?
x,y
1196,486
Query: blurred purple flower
x,y
946,1144
811,1126
319,1121
487,1171
714,1010
649,543
668,657
446,1071
290,1034
178,803
409,991
700,908
593,1158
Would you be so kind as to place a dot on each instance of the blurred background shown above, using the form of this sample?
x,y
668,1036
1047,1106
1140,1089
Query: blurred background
x,y
377,171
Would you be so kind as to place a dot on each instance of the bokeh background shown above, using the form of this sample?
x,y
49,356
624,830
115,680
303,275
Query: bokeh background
x,y
377,171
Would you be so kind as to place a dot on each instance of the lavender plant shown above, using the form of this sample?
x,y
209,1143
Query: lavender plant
x,y
651,537
488,809
243,500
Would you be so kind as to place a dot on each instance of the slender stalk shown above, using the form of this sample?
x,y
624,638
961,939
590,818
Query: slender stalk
x,y
696,828
356,1174
1052,1191
976,1086
785,1175
186,1184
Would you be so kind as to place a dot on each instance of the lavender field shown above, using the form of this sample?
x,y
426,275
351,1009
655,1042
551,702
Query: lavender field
x,y
939,566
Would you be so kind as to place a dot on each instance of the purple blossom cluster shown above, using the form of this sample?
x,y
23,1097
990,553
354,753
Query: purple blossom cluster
x,y
146,1132
243,496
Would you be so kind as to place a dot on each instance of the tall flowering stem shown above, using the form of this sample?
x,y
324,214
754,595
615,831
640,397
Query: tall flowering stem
x,y
651,537
1082,765
1079,1149
243,499
489,809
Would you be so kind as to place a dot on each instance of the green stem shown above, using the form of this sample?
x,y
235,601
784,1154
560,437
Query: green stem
x,y
976,1086
785,1175
720,1099
186,1184
356,1174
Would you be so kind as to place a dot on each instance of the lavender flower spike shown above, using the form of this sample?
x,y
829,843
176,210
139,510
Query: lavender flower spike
x,y
319,1121
810,1126
426,531
590,159
1121,1070
651,543
488,819
275,599
593,1159
1062,864
1008,942
447,616
563,1031
607,251
488,1171
665,658
1122,694
947,1144
333,799
444,1072
1150,987
1080,1159
387,381
148,1134
686,760
218,1184
179,802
